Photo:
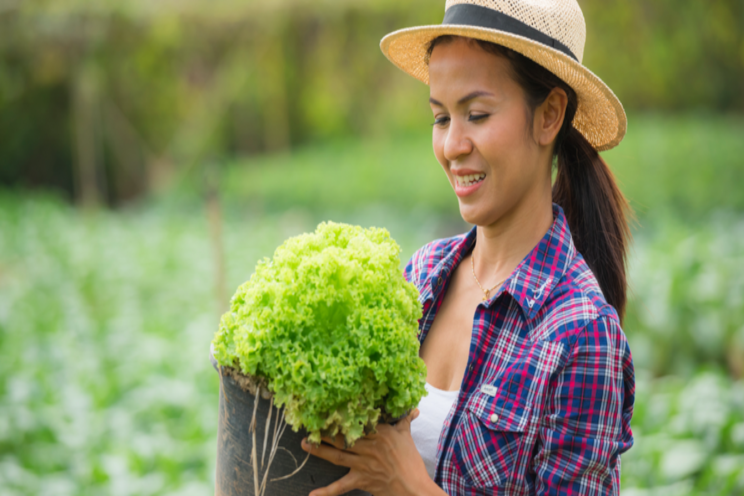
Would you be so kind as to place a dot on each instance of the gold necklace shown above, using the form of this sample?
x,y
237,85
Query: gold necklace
x,y
486,292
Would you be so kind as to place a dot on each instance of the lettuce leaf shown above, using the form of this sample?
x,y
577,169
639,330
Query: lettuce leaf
x,y
331,324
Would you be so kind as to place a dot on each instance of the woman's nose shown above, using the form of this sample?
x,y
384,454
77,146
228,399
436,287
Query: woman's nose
x,y
456,143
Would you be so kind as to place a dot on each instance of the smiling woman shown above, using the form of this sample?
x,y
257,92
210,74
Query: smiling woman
x,y
529,373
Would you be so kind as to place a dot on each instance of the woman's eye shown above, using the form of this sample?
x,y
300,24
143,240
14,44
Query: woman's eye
x,y
477,117
441,121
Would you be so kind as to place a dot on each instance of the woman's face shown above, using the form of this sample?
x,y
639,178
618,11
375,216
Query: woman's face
x,y
483,134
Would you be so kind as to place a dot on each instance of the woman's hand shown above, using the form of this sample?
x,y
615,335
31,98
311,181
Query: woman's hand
x,y
384,464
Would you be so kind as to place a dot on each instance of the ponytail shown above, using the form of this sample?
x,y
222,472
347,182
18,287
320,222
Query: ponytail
x,y
595,210
584,187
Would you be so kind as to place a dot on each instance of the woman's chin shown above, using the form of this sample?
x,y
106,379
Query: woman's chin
x,y
474,215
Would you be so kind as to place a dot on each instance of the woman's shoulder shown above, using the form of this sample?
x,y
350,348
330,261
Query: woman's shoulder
x,y
575,304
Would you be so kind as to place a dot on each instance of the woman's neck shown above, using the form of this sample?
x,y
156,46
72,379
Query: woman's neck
x,y
501,246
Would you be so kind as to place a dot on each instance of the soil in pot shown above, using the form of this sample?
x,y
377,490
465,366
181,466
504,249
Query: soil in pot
x,y
252,428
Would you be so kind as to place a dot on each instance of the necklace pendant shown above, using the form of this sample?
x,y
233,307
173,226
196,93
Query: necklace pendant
x,y
488,293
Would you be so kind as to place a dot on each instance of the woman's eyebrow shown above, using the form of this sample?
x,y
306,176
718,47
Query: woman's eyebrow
x,y
465,99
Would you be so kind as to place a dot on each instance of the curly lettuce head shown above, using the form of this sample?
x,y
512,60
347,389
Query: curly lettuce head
x,y
331,324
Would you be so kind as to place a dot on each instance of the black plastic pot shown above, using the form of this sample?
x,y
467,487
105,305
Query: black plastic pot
x,y
236,474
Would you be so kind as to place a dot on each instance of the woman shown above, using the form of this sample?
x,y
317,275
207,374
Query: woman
x,y
529,374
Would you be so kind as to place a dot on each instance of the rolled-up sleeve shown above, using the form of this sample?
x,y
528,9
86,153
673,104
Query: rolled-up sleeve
x,y
586,421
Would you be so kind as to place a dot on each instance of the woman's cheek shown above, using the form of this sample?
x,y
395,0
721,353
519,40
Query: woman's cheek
x,y
438,145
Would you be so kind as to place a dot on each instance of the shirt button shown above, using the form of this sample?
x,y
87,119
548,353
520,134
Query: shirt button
x,y
470,369
493,418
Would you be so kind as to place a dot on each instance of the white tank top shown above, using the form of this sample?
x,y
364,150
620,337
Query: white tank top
x,y
425,430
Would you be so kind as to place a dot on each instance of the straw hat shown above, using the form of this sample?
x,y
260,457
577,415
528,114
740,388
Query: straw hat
x,y
550,32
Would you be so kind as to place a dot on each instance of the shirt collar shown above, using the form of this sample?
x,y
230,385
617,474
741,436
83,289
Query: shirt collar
x,y
539,272
533,280
443,270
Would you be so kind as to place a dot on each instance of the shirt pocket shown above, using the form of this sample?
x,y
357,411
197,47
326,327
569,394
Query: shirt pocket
x,y
492,439
489,436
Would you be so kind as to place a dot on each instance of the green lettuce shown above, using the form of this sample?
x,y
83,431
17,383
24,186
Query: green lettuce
x,y
331,324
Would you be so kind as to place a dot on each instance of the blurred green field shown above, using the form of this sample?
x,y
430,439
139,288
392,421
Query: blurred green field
x,y
106,317
688,165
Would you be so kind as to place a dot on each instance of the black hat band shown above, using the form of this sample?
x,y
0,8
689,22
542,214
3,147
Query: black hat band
x,y
483,17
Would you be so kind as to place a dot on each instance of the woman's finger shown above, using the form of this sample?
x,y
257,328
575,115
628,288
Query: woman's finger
x,y
338,441
330,453
364,445
341,486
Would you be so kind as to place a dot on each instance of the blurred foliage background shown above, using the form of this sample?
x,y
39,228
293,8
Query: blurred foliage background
x,y
152,152
107,101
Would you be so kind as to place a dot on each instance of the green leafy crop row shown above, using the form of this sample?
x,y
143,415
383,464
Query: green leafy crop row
x,y
106,320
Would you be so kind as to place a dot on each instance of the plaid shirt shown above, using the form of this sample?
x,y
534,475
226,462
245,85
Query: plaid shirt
x,y
547,397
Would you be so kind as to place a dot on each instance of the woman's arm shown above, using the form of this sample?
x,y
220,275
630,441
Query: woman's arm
x,y
384,464
587,418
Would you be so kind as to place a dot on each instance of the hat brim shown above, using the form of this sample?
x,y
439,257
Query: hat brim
x,y
600,116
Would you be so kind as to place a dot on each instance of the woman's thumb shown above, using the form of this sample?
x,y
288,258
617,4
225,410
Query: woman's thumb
x,y
405,423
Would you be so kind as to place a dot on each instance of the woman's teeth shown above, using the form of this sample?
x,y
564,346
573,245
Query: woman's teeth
x,y
469,180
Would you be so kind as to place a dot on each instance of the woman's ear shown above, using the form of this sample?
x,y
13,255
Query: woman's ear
x,y
549,116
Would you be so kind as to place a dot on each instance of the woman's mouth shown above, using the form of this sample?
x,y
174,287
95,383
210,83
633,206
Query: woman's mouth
x,y
469,180
467,184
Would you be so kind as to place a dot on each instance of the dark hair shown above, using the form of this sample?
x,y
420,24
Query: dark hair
x,y
584,185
